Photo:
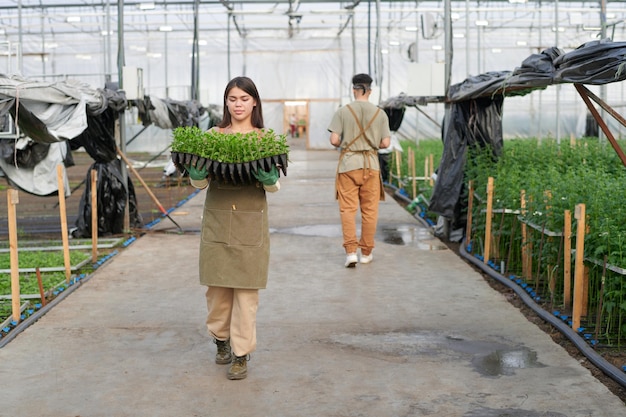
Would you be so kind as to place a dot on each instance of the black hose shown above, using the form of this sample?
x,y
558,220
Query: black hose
x,y
594,357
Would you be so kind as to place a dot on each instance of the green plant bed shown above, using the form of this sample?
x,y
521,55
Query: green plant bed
x,y
229,157
556,178
41,259
29,284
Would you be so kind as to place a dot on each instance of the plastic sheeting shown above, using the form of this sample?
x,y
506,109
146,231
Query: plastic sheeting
x,y
474,107
111,202
40,178
471,123
51,115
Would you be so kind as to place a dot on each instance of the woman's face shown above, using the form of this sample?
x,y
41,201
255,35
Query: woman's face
x,y
240,104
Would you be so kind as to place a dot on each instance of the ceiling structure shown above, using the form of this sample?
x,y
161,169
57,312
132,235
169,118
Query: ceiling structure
x,y
301,49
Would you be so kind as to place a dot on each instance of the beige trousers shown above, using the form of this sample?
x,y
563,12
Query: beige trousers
x,y
358,189
232,315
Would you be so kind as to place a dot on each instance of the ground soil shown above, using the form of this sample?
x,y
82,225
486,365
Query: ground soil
x,y
38,218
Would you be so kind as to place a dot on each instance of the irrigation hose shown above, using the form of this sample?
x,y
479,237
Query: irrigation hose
x,y
594,357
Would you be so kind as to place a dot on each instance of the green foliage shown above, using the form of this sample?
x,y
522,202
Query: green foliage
x,y
422,150
29,284
42,259
229,147
556,178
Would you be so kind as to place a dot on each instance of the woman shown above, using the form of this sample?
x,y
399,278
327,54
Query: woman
x,y
234,249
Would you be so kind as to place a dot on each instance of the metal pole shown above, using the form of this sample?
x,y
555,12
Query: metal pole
x,y
122,121
601,135
369,36
20,63
166,58
467,39
540,114
353,47
194,54
558,87
107,44
448,40
228,43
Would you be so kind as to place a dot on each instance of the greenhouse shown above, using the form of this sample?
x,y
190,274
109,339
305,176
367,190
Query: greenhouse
x,y
498,286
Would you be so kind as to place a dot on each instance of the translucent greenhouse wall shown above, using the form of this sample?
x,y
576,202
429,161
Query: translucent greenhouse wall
x,y
315,64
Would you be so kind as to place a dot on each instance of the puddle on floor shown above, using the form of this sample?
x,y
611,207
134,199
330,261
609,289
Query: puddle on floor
x,y
510,412
413,236
506,361
488,358
417,343
405,235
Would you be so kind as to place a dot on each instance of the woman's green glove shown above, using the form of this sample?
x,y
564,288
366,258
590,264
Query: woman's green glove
x,y
196,174
267,178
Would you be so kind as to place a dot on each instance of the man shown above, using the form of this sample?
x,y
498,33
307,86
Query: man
x,y
364,129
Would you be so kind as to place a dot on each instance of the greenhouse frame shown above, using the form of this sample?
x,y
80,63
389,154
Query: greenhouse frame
x,y
303,53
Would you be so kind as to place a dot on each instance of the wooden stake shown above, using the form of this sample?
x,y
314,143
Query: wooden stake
x,y
413,173
425,170
12,200
488,220
567,261
64,233
524,236
42,293
431,170
579,214
398,163
94,216
470,205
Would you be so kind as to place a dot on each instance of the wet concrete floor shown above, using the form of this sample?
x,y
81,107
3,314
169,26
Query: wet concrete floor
x,y
415,333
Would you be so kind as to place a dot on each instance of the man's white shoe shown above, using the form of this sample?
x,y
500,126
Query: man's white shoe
x,y
365,259
351,260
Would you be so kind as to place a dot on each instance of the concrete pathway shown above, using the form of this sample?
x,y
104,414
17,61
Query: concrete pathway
x,y
415,333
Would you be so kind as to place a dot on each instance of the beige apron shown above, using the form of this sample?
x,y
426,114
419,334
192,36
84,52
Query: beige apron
x,y
234,250
366,153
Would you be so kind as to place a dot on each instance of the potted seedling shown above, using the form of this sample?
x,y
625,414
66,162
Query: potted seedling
x,y
230,157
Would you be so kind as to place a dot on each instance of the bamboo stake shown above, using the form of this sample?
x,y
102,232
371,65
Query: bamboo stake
x,y
413,173
12,200
585,296
398,163
567,261
94,216
524,236
601,298
64,233
425,170
42,293
579,214
470,205
488,220
432,169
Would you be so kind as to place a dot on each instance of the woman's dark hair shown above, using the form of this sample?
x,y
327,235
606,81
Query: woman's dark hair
x,y
247,85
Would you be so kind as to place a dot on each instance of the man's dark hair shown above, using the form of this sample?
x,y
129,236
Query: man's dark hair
x,y
362,79
362,82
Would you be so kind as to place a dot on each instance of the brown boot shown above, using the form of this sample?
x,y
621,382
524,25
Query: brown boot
x,y
223,355
238,368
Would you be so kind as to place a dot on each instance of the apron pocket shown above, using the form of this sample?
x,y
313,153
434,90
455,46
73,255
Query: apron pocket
x,y
233,227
